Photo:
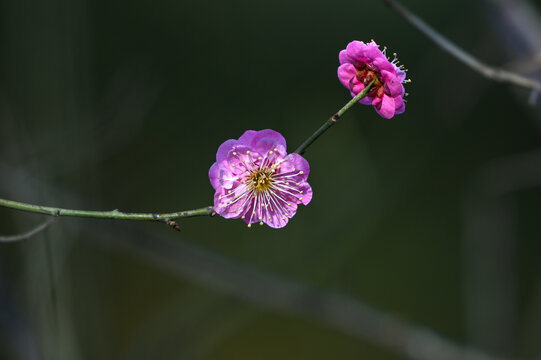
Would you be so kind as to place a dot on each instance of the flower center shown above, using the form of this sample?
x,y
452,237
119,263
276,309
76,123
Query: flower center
x,y
260,180
365,75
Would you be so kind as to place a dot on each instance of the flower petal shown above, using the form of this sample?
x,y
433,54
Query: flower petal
x,y
224,149
385,106
263,140
231,204
294,164
355,86
343,58
355,51
305,193
214,176
392,84
399,105
346,73
278,216
267,140
246,138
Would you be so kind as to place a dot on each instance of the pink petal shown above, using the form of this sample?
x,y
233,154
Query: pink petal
x,y
295,163
306,194
267,140
385,106
399,105
346,73
355,51
343,58
356,86
223,150
214,176
392,83
382,63
246,138
279,217
263,140
227,206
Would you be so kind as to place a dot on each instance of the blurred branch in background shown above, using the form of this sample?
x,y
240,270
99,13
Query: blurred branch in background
x,y
217,272
28,234
490,232
490,249
489,72
283,295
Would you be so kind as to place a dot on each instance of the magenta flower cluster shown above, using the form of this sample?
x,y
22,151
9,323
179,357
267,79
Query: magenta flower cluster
x,y
258,181
360,63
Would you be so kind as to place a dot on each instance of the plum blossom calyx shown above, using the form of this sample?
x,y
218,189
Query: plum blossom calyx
x,y
258,181
361,63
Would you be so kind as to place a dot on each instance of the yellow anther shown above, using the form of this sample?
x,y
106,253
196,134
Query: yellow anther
x,y
243,217
249,225
260,218
261,223
301,172
275,149
300,191
270,152
234,153
248,152
300,199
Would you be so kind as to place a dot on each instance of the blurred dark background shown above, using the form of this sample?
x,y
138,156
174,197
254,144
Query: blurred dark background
x,y
431,217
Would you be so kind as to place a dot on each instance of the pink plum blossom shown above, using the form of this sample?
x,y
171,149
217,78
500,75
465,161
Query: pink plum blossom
x,y
360,63
258,181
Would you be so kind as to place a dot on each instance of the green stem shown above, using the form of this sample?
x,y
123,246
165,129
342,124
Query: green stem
x,y
332,120
113,214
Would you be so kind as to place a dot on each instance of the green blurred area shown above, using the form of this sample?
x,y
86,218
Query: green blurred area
x,y
123,105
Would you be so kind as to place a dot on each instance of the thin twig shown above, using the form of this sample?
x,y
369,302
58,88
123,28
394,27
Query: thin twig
x,y
489,72
113,214
28,234
333,119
